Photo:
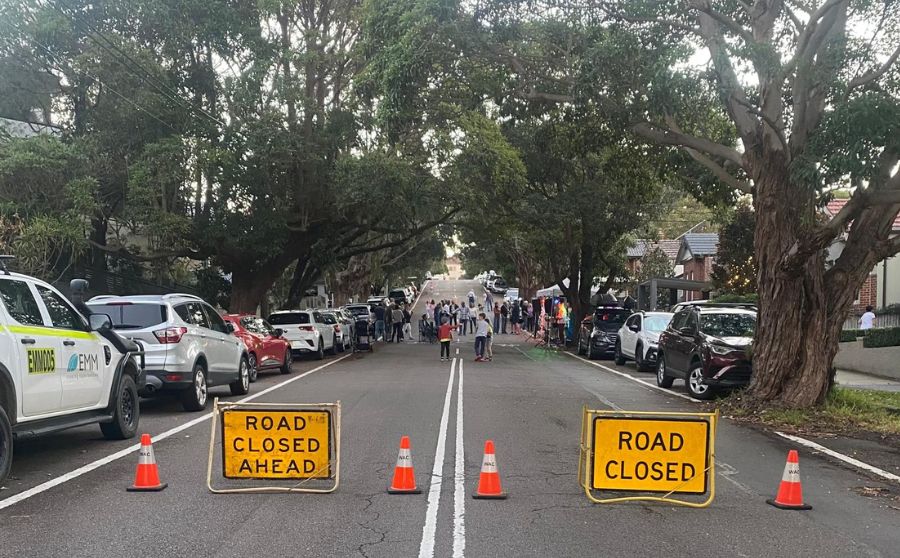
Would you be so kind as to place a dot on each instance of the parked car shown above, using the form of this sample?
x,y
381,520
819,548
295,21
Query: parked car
x,y
188,347
427,275
360,311
512,294
498,285
708,346
398,296
308,331
60,369
346,324
266,348
638,339
377,301
600,331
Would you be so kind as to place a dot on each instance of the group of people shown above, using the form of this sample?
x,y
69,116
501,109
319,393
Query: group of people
x,y
393,322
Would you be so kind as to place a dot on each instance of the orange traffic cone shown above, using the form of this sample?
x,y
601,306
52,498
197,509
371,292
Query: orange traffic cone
x,y
146,479
489,480
790,493
404,481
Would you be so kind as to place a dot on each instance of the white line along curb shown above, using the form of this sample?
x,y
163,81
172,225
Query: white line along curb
x,y
633,379
43,487
841,457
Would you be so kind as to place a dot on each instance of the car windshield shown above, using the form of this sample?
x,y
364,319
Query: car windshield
x,y
728,325
610,319
132,316
289,318
656,323
396,293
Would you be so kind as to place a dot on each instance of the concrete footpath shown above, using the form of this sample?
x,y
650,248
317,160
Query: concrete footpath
x,y
883,362
847,378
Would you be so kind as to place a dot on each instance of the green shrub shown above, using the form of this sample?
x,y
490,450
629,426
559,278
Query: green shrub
x,y
752,298
849,335
882,337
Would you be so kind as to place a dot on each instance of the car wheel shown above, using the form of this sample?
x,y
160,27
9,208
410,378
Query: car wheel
x,y
639,361
334,346
663,380
6,445
619,357
288,361
194,398
320,352
127,414
254,367
695,386
241,386
338,348
581,349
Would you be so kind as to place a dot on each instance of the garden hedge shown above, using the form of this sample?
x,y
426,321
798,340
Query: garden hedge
x,y
882,337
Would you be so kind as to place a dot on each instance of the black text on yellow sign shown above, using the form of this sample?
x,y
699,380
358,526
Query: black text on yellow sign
x,y
276,444
650,455
41,361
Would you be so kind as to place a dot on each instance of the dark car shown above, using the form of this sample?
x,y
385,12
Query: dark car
x,y
398,296
600,331
707,346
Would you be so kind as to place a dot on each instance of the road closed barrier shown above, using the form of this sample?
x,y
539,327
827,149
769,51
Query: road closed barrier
x,y
265,442
640,455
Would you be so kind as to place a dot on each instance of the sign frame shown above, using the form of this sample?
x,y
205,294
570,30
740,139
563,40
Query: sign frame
x,y
592,417
333,411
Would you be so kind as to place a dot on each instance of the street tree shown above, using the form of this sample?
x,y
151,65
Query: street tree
x,y
734,271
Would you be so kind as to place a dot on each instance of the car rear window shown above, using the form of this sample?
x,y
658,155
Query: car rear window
x,y
610,318
397,293
328,319
288,318
129,315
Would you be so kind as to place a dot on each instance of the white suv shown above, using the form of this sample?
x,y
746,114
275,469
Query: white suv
x,y
189,347
59,370
639,339
308,331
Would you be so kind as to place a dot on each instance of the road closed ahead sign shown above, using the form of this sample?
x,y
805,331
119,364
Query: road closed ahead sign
x,y
650,454
276,444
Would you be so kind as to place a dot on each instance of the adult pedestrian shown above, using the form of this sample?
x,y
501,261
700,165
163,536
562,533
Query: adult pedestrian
x,y
504,317
407,322
397,320
496,316
379,322
516,316
454,313
437,313
488,301
388,323
464,319
481,330
473,313
471,298
867,320
489,344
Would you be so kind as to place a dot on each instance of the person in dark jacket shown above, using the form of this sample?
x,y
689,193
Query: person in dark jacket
x,y
388,323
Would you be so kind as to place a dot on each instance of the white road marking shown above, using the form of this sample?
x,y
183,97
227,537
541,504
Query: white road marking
x,y
802,441
457,351
841,457
43,487
459,493
426,548
633,379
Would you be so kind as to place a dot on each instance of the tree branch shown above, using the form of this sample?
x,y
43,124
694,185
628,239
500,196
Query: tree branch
x,y
123,252
869,77
670,137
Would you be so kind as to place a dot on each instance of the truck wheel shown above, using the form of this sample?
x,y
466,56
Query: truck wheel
x,y
127,413
241,386
194,398
6,445
288,361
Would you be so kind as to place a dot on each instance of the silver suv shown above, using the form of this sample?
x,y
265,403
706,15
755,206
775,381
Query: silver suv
x,y
188,346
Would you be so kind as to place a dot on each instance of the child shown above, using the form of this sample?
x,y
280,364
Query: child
x,y
445,335
481,331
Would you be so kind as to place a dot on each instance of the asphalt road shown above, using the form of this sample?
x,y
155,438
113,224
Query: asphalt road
x,y
527,401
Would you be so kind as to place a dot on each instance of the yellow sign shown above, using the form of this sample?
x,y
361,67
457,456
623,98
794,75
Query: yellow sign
x,y
41,361
650,454
276,444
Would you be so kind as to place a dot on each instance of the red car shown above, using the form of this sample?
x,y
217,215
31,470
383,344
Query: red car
x,y
266,349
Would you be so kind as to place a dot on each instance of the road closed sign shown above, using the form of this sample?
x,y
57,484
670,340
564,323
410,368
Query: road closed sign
x,y
276,444
650,454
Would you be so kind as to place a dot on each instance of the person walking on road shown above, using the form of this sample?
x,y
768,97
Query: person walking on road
x,y
471,297
504,317
397,321
474,316
481,330
407,322
388,323
489,344
464,317
867,320
496,317
437,313
488,301
445,335
379,322
454,314
516,317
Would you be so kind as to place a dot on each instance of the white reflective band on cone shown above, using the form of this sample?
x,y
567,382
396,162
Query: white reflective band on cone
x,y
404,459
791,472
489,465
145,456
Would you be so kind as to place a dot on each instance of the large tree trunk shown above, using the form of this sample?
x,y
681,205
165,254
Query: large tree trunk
x,y
250,285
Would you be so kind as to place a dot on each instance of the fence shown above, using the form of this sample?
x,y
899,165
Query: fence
x,y
881,320
107,282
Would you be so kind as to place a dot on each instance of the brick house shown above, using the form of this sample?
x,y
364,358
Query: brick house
x,y
882,287
642,247
697,253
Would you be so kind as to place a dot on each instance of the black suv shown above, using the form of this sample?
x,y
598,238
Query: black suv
x,y
708,346
600,331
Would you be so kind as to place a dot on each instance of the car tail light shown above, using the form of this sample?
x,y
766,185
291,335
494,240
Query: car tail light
x,y
170,334
307,328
